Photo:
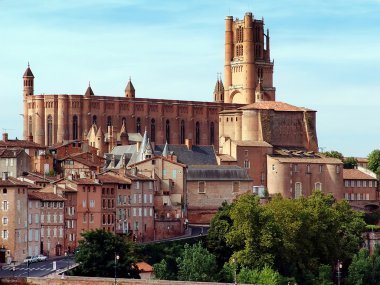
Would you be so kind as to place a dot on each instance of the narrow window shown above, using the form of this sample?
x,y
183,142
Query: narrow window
x,y
138,125
49,130
298,190
167,133
30,125
153,130
75,127
109,121
197,133
182,132
201,187
212,135
94,120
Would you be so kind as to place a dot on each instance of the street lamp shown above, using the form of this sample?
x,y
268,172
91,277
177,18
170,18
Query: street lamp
x,y
116,259
339,267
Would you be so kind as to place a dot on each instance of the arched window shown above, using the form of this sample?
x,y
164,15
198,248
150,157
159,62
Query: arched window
x,y
197,133
182,132
318,186
298,190
167,131
124,121
75,127
30,127
94,119
109,121
138,125
49,130
212,131
153,130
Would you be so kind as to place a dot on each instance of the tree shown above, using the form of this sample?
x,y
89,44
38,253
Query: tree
x,y
265,276
365,269
324,276
292,236
359,270
216,237
161,270
96,255
350,163
374,161
197,264
334,154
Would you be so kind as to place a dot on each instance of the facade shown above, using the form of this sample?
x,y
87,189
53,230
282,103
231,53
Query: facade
x,y
14,225
208,186
360,186
296,173
14,161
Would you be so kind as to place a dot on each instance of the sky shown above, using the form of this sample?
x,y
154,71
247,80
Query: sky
x,y
326,54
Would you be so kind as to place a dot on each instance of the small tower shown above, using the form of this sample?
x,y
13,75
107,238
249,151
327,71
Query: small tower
x,y
130,90
219,91
28,78
259,92
89,91
124,135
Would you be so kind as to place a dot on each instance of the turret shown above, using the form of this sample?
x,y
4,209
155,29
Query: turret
x,y
130,90
228,56
89,91
124,134
259,92
219,91
28,78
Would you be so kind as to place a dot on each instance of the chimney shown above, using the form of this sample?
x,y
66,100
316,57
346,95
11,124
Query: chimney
x,y
189,143
55,188
5,175
5,137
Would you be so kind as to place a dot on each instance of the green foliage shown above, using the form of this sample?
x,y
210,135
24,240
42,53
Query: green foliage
x,y
359,270
266,276
334,154
96,255
161,270
254,236
325,275
374,161
197,264
216,241
293,236
365,269
372,228
169,250
350,163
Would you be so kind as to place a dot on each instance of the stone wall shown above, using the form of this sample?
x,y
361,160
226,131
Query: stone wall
x,y
74,280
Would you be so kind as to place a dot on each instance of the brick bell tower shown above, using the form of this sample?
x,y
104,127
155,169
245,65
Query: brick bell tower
x,y
247,61
28,90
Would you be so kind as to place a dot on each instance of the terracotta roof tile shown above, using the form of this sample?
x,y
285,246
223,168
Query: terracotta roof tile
x,y
273,105
21,143
12,182
10,152
356,174
45,196
252,143
144,267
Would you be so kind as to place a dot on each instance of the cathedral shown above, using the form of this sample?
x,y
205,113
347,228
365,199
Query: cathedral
x,y
244,123
53,118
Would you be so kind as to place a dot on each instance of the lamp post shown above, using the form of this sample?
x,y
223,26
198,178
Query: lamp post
x,y
339,267
116,259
